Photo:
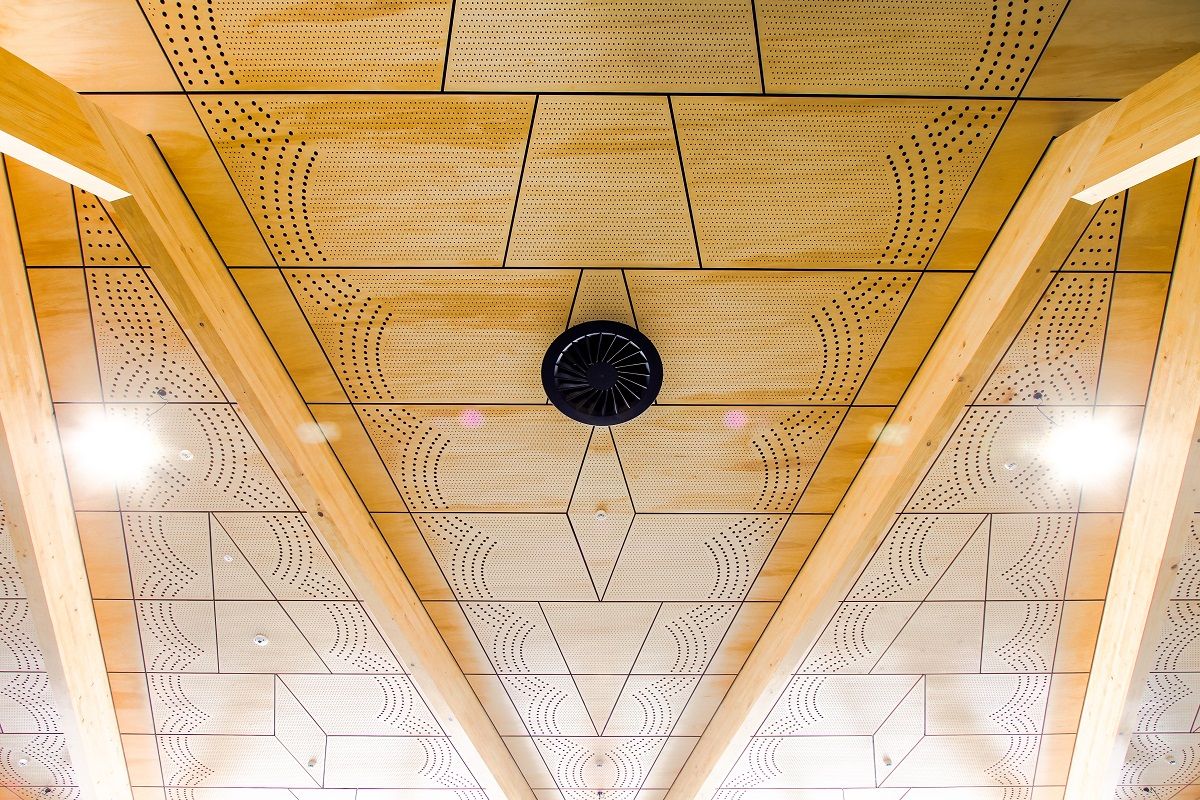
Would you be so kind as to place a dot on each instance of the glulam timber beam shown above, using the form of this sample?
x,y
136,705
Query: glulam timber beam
x,y
196,285
1152,130
1034,241
40,520
42,125
1164,496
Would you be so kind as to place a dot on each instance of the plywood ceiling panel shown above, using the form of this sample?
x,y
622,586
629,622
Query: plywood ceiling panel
x,y
792,182
601,587
949,47
319,174
681,46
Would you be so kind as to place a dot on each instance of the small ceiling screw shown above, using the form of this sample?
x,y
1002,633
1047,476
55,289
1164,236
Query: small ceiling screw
x,y
601,514
1038,395
228,559
1010,466
160,392
312,762
260,640
887,761
185,455
1171,758
22,762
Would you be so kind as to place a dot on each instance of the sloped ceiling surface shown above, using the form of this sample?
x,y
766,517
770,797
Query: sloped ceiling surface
x,y
788,198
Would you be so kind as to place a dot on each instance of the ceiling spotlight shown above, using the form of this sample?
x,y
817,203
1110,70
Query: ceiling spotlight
x,y
116,447
1085,449
601,515
261,640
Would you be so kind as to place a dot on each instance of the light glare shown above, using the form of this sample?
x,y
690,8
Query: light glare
x,y
117,447
1085,449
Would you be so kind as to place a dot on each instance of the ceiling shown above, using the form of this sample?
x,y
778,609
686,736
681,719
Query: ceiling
x,y
415,199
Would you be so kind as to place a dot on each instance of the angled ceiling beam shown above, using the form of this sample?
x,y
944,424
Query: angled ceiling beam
x,y
1034,241
1153,130
1164,496
41,125
40,518
195,283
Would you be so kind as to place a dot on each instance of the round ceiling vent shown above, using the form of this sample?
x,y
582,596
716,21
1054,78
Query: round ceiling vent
x,y
602,373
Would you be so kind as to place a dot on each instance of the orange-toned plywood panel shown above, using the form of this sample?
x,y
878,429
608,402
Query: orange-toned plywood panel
x,y
45,216
1133,322
602,187
478,336
948,47
1153,218
400,180
1108,48
795,182
767,337
283,44
179,134
1026,133
65,325
89,45
640,46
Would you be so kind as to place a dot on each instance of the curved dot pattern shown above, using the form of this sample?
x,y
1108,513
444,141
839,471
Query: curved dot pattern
x,y
48,773
1176,648
920,167
737,553
1013,767
169,556
102,243
441,765
281,166
11,585
183,767
175,711
685,637
621,764
915,554
1097,247
287,556
1164,692
144,356
760,764
189,35
19,651
801,709
546,707
979,47
1058,350
970,473
177,636
30,704
320,44
1022,711
651,705
402,709
911,161
227,471
1029,556
1031,630
343,636
515,637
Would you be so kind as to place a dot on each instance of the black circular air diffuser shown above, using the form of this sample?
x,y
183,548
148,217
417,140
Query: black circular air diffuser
x,y
602,373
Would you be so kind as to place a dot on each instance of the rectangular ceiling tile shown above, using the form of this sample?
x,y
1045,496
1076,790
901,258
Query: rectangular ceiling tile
x,y
856,183
639,46
368,180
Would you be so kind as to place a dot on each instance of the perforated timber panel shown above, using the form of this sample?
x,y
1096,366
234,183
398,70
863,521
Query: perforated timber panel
x,y
602,187
321,175
33,752
871,182
376,325
682,46
984,48
731,337
956,664
276,44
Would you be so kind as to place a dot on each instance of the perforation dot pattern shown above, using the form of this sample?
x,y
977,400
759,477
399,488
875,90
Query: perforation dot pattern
x,y
102,243
190,37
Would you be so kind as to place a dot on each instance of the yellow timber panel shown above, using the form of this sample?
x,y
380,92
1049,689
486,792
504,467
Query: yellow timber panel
x,y
1108,48
1026,134
359,180
1153,216
45,216
459,458
602,187
177,131
767,337
943,47
715,459
639,46
477,336
794,182
89,45
284,44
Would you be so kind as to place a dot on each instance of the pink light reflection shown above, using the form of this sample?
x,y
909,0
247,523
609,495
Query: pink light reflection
x,y
736,418
471,418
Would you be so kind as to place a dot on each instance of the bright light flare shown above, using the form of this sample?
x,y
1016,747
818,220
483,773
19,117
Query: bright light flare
x,y
471,418
117,447
736,418
1085,449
